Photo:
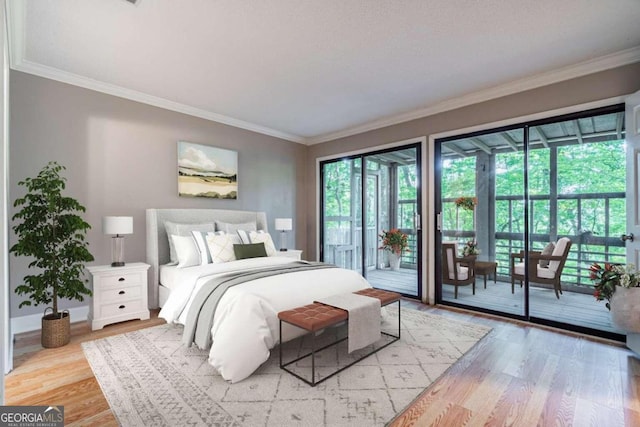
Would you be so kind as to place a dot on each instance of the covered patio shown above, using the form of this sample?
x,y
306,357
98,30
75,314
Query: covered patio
x,y
557,197
574,308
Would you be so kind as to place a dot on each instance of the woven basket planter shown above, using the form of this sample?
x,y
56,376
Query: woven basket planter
x,y
56,330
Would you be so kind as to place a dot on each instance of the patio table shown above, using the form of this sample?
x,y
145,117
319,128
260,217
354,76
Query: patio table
x,y
485,268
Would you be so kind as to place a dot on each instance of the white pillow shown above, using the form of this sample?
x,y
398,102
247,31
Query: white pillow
x,y
548,250
200,238
186,251
180,229
264,237
228,227
221,247
244,236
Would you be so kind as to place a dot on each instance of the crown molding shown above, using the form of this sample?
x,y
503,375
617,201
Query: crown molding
x,y
88,83
617,59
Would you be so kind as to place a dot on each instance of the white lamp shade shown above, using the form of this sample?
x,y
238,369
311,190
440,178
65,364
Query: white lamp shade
x,y
284,224
117,225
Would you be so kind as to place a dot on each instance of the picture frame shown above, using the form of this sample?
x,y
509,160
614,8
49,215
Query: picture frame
x,y
206,171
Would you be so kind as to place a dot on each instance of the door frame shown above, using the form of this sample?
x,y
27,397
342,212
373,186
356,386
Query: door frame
x,y
633,164
524,123
632,137
430,166
6,341
424,232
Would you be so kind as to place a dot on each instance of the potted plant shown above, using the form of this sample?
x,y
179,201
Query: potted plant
x,y
620,286
470,248
396,242
50,231
466,203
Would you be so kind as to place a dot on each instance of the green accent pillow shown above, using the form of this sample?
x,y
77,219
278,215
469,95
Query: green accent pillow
x,y
251,250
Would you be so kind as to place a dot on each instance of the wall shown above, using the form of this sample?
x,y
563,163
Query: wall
x,y
121,159
6,352
607,84
121,155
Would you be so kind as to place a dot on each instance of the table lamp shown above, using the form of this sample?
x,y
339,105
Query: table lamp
x,y
284,225
117,226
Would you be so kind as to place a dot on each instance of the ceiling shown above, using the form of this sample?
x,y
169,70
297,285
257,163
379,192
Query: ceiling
x,y
313,71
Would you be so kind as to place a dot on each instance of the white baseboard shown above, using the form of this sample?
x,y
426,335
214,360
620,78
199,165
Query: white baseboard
x,y
33,322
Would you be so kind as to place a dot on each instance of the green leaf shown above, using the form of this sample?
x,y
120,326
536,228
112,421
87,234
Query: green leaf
x,y
50,231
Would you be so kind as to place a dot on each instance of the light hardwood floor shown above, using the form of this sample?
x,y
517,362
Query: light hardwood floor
x,y
527,375
62,376
520,375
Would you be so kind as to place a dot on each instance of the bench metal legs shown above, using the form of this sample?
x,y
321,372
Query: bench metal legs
x,y
315,350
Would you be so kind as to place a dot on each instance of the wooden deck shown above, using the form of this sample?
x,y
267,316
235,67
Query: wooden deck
x,y
404,281
572,308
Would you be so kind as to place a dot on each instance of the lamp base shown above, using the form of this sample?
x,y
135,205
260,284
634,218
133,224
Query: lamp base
x,y
117,251
283,241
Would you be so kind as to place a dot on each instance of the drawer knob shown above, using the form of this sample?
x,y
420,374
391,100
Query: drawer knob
x,y
121,307
121,293
121,279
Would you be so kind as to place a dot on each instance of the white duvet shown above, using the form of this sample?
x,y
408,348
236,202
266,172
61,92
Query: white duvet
x,y
245,325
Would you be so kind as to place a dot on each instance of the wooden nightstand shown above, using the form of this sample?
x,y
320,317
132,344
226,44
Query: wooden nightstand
x,y
119,294
291,253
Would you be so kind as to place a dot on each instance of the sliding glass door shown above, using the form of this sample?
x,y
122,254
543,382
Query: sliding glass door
x,y
541,201
341,213
363,197
482,219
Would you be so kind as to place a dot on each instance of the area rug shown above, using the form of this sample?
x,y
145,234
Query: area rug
x,y
150,379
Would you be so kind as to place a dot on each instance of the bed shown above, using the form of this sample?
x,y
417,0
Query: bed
x,y
244,325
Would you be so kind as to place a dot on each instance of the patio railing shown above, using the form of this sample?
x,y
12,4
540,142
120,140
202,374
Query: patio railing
x,y
576,269
343,248
586,248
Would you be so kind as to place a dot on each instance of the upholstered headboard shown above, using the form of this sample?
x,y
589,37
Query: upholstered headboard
x,y
158,242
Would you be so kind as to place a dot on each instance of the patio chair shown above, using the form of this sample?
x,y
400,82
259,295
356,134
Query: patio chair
x,y
538,273
457,271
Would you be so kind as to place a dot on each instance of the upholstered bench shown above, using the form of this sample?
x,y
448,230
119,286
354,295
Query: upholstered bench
x,y
317,316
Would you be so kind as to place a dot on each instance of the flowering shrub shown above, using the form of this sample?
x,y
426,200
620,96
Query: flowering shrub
x,y
470,248
395,241
606,279
466,203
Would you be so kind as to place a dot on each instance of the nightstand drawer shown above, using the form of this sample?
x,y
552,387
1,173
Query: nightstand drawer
x,y
125,279
119,294
121,308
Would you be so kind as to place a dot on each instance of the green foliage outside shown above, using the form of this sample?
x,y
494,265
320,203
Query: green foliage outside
x,y
337,188
50,231
342,200
407,195
339,196
458,180
585,169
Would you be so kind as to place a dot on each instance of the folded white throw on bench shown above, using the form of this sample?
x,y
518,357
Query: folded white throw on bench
x,y
364,317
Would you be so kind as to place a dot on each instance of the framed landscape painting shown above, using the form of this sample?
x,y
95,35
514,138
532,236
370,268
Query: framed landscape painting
x,y
205,171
